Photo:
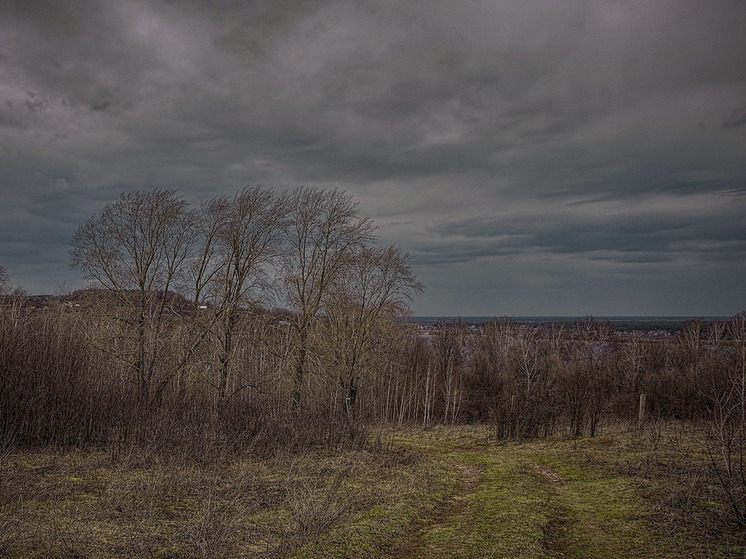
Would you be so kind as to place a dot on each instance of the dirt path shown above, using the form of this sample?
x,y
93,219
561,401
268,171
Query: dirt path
x,y
452,514
529,500
554,539
412,544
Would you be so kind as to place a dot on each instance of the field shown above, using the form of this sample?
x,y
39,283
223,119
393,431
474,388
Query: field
x,y
440,492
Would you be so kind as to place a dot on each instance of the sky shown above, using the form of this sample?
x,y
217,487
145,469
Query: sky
x,y
534,157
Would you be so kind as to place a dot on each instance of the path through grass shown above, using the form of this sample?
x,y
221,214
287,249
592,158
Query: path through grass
x,y
544,500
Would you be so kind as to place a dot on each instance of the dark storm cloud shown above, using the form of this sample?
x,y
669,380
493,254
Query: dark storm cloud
x,y
521,150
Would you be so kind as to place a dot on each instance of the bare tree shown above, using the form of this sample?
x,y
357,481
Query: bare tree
x,y
450,345
136,249
243,237
486,385
530,409
726,434
324,234
592,355
375,288
632,361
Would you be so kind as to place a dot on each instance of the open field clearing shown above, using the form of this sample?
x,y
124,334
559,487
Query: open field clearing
x,y
450,492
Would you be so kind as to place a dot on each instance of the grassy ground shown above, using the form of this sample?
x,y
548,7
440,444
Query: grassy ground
x,y
420,493
630,495
84,504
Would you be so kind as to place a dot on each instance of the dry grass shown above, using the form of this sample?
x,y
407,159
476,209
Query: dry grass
x,y
81,504
671,468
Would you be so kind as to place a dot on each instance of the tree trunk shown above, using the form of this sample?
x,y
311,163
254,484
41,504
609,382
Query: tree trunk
x,y
299,373
226,350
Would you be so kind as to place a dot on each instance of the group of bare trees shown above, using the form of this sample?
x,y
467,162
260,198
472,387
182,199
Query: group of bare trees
x,y
168,269
528,381
533,381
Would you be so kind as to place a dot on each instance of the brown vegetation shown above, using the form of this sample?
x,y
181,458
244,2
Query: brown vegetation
x,y
174,353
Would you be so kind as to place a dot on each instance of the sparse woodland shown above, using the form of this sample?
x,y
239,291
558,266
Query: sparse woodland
x,y
261,323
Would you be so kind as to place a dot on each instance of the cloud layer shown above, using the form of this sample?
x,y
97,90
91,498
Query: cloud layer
x,y
534,157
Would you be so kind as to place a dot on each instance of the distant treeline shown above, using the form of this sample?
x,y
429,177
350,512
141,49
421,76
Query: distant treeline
x,y
670,324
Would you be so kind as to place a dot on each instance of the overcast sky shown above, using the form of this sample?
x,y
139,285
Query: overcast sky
x,y
534,157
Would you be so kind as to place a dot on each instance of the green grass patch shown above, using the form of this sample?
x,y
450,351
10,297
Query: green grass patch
x,y
567,498
502,517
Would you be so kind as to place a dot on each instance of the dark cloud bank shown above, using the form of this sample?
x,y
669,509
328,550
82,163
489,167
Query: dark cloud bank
x,y
535,157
